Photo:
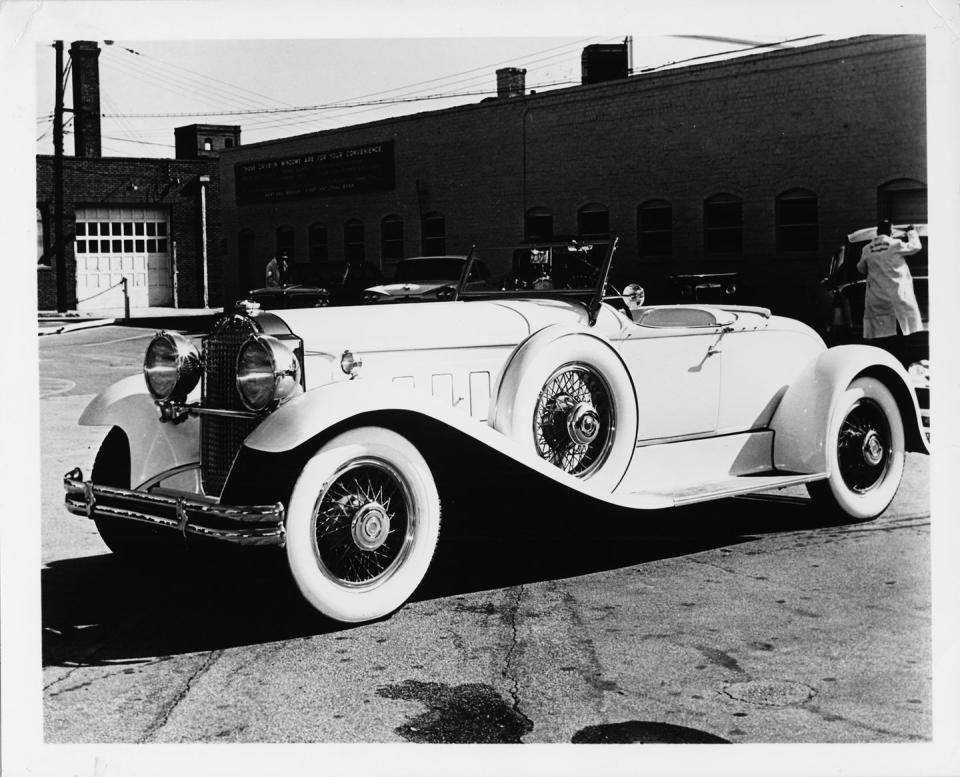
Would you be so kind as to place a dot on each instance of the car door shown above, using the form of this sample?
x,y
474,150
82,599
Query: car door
x,y
676,370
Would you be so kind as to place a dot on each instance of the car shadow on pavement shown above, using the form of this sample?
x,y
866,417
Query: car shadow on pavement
x,y
95,610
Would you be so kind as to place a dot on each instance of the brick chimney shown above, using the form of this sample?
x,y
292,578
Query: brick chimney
x,y
511,82
84,58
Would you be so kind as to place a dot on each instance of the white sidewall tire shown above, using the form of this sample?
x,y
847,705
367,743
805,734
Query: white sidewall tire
x,y
336,601
586,350
835,491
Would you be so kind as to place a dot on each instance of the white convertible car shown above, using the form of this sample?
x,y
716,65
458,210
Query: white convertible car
x,y
323,431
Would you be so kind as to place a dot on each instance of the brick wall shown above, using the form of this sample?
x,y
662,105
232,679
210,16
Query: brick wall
x,y
840,119
110,182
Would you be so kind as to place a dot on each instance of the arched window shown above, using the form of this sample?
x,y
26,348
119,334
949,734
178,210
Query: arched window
x,y
228,142
286,242
353,249
722,224
248,277
538,225
655,228
433,231
798,226
208,144
317,243
593,222
391,239
903,201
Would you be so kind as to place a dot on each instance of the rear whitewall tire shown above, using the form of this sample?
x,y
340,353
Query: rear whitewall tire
x,y
362,524
866,413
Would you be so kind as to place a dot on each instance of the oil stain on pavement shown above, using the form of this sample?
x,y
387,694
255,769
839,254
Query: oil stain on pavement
x,y
472,713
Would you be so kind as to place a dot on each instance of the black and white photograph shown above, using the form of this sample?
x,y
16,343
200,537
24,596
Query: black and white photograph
x,y
399,384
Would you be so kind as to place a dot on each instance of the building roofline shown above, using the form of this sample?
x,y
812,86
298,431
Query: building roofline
x,y
673,74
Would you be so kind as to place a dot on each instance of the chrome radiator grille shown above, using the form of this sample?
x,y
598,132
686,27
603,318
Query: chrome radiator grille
x,y
221,438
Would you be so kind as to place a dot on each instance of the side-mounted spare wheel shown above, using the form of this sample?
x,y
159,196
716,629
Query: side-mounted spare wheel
x,y
865,454
362,524
570,400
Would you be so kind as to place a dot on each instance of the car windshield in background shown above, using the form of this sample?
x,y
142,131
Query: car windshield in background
x,y
549,268
434,268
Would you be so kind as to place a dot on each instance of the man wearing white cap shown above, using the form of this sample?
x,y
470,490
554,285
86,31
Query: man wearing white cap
x,y
890,299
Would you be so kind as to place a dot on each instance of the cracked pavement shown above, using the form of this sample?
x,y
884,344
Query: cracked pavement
x,y
529,633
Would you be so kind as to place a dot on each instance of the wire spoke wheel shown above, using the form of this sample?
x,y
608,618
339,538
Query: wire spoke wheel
x,y
363,525
863,447
573,420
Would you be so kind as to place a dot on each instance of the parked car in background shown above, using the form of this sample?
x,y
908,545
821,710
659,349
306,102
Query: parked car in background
x,y
704,287
842,305
335,433
317,285
425,278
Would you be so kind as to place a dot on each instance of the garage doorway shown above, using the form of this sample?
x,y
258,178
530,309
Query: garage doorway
x,y
113,243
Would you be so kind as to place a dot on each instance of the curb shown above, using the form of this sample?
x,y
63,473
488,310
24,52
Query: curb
x,y
56,330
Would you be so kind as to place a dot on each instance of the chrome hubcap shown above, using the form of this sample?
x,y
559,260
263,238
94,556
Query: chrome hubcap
x,y
583,423
872,448
370,526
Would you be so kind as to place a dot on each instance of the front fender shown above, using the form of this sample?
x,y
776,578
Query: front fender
x,y
802,418
155,447
310,416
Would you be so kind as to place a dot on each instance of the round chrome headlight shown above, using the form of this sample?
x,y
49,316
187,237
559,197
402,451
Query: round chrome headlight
x,y
171,366
268,372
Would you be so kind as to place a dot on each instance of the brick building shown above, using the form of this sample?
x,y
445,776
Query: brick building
x,y
757,165
154,221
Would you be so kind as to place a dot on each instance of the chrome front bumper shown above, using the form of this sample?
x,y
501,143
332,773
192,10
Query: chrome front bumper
x,y
188,514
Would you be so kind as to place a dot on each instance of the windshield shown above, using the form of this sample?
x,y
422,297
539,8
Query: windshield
x,y
434,268
568,269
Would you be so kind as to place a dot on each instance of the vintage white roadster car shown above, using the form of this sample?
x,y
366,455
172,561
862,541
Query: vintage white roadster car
x,y
318,430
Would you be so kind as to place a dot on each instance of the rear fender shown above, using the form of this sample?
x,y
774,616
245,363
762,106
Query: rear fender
x,y
802,418
155,447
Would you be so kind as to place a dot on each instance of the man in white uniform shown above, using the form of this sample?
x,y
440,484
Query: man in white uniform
x,y
890,299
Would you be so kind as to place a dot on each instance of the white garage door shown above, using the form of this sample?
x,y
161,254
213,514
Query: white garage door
x,y
113,243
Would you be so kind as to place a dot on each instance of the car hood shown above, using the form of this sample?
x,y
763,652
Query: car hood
x,y
455,324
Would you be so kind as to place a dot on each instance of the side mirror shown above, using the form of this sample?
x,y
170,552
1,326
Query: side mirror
x,y
633,296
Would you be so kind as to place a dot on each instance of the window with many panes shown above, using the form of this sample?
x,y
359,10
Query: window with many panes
x,y
655,228
538,225
593,222
318,243
723,224
903,201
391,239
123,232
798,226
353,241
434,235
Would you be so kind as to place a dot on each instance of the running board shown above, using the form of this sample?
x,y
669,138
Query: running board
x,y
721,489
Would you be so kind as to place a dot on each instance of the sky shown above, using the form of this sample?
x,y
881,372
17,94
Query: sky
x,y
266,85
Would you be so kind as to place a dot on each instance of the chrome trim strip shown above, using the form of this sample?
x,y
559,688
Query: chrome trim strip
x,y
255,524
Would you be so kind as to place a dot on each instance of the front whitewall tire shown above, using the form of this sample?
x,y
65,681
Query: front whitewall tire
x,y
362,524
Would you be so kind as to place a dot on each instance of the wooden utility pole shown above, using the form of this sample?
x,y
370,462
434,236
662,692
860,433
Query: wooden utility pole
x,y
58,242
